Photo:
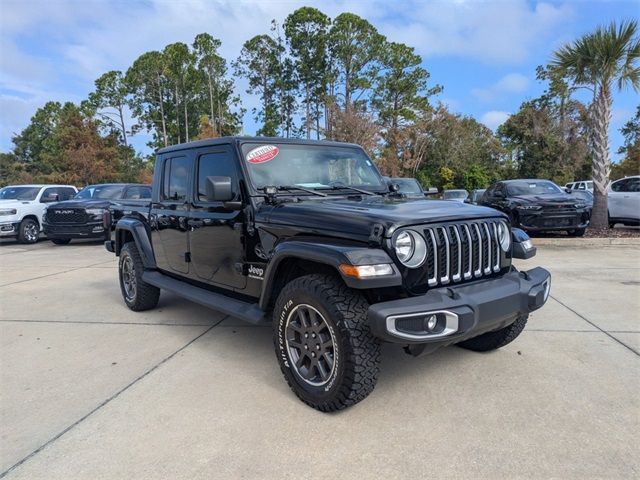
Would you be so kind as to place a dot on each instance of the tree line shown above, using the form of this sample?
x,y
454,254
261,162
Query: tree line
x,y
314,77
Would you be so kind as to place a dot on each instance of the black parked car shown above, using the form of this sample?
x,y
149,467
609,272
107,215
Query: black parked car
x,y
87,214
538,205
308,237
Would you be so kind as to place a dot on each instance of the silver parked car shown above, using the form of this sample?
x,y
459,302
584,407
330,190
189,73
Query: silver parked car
x,y
624,201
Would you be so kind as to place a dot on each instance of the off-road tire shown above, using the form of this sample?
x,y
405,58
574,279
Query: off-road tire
x,y
25,226
146,296
61,241
356,350
499,338
578,232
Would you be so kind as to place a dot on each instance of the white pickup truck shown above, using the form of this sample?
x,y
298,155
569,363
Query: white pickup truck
x,y
22,207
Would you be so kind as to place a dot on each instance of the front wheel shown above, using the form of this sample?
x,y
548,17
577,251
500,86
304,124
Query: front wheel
x,y
137,294
498,339
29,231
326,351
61,241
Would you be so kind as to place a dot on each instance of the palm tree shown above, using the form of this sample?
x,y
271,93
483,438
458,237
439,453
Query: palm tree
x,y
597,61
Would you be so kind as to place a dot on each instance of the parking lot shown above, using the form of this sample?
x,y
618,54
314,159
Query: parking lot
x,y
91,390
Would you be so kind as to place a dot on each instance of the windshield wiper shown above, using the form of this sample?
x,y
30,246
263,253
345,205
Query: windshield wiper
x,y
347,187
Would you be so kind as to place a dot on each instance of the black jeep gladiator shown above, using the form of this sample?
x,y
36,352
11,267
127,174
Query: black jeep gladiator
x,y
308,235
86,215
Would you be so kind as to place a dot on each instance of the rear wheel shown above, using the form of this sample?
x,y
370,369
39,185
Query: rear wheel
x,y
61,241
323,344
29,231
137,294
499,338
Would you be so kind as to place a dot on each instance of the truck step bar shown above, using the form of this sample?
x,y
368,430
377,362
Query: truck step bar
x,y
249,312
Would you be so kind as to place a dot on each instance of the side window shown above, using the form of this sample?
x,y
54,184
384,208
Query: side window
x,y
620,185
176,179
218,164
633,185
138,192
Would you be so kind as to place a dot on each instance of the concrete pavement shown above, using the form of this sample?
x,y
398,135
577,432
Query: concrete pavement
x,y
89,389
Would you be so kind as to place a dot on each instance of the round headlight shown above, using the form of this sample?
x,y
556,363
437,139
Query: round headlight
x,y
411,249
504,236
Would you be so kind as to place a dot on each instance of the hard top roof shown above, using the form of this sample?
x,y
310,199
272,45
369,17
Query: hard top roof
x,y
242,139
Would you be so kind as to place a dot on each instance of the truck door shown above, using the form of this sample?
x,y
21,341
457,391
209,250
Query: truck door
x,y
169,211
215,232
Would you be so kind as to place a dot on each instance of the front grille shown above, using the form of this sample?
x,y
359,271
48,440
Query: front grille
x,y
461,251
559,209
66,215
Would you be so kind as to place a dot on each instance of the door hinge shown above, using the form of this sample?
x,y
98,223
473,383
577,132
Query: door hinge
x,y
187,257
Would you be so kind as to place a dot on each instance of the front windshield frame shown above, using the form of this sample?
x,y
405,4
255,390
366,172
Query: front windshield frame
x,y
526,189
245,147
25,189
116,190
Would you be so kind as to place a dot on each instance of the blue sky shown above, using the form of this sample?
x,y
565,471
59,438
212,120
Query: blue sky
x,y
484,53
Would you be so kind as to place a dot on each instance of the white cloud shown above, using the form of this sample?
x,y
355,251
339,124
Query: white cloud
x,y
501,32
54,50
494,118
511,83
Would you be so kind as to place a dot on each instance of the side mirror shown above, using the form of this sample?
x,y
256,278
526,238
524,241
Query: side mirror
x,y
219,189
568,190
498,194
394,187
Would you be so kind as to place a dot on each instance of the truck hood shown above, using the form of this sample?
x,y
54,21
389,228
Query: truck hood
x,y
357,215
81,203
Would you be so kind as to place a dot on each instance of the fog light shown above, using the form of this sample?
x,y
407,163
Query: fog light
x,y
97,229
432,322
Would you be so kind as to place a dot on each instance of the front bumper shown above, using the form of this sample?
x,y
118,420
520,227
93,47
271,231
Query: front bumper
x,y
462,311
547,221
86,230
9,229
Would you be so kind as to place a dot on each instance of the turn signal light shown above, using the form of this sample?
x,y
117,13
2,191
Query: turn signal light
x,y
366,271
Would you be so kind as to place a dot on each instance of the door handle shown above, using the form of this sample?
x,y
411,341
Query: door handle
x,y
195,223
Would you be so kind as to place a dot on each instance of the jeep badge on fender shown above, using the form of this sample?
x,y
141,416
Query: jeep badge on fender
x,y
307,236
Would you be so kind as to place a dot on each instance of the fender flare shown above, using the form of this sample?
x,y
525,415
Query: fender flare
x,y
141,237
333,256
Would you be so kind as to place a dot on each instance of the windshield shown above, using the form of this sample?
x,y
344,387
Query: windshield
x,y
19,193
542,187
408,185
454,194
310,166
100,192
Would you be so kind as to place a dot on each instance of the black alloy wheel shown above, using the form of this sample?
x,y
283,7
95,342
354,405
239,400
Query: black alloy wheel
x,y
310,344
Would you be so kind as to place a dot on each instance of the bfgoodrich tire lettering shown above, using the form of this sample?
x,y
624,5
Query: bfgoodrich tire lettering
x,y
355,352
137,294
